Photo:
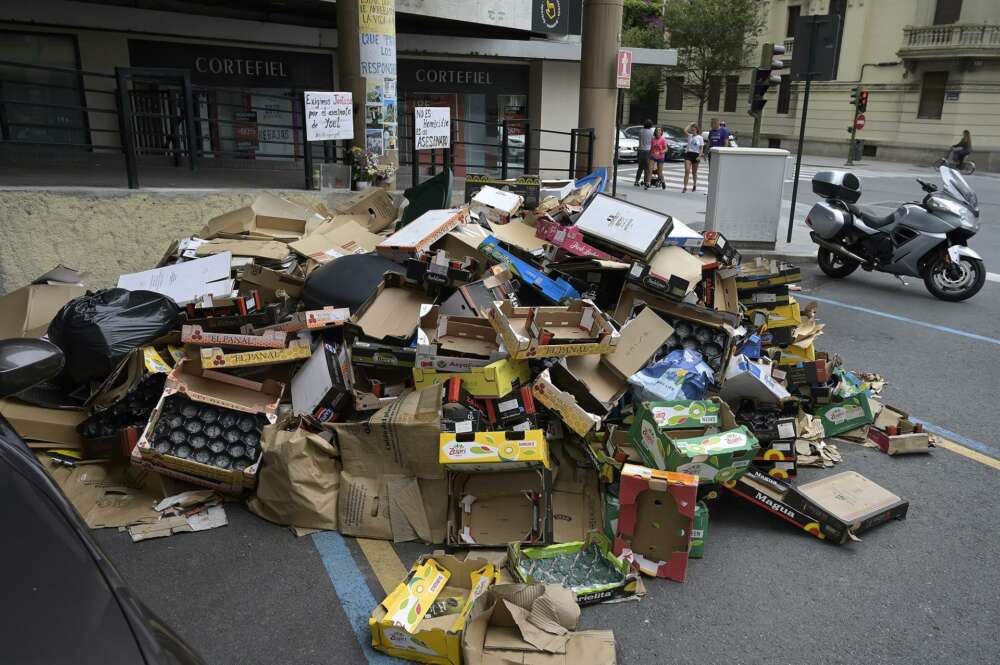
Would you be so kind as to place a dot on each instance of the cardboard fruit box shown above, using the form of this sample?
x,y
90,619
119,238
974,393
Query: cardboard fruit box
x,y
765,274
845,415
545,332
220,390
423,618
655,520
493,381
493,509
519,558
494,451
714,458
658,425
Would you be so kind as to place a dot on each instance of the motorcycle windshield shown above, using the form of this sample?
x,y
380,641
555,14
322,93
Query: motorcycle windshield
x,y
956,186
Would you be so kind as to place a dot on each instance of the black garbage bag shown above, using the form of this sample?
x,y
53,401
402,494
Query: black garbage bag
x,y
347,281
97,331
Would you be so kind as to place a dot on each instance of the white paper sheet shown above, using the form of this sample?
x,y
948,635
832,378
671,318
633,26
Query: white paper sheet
x,y
183,282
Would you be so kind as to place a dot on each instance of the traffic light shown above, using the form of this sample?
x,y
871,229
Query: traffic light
x,y
863,101
855,95
764,76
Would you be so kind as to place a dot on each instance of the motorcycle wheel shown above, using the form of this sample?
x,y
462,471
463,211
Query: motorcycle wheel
x,y
968,167
955,282
835,265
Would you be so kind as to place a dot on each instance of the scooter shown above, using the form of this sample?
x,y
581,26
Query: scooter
x,y
967,167
927,239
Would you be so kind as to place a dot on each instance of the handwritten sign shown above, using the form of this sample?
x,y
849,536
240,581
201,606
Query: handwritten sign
x,y
433,127
329,116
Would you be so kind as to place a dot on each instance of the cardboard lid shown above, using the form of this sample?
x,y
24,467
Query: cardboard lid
x,y
640,339
848,496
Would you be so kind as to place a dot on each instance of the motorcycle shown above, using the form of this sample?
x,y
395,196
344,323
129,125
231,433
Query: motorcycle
x,y
927,239
967,167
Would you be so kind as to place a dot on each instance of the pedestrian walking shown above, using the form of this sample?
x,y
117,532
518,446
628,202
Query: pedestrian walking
x,y
692,155
658,154
718,137
642,161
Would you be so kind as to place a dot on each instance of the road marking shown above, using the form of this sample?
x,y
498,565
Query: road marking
x,y
904,319
384,561
963,445
992,277
355,596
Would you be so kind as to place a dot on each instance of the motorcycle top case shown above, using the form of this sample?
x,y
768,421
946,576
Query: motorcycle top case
x,y
842,185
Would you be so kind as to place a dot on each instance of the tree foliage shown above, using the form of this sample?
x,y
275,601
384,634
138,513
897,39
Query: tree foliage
x,y
642,27
712,38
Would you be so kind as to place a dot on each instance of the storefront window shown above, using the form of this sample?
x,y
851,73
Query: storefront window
x,y
52,121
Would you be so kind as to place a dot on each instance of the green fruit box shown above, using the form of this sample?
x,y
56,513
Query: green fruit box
x,y
845,415
714,458
658,424
699,532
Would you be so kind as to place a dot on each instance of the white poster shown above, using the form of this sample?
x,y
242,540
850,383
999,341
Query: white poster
x,y
433,127
329,116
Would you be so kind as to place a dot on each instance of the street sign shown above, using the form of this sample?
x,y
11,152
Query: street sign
x,y
859,121
624,68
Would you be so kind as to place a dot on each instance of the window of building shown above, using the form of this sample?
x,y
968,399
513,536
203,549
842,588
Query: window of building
x,y
794,11
46,114
675,93
932,95
732,83
784,93
714,92
947,11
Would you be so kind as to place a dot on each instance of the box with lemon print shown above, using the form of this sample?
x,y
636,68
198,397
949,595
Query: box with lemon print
x,y
494,451
424,616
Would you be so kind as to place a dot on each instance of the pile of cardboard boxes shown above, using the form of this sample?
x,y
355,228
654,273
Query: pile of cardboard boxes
x,y
468,379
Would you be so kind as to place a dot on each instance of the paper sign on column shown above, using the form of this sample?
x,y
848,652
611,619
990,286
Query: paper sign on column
x,y
433,128
183,282
329,116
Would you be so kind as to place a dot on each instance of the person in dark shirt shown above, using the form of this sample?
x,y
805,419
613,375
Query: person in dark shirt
x,y
961,150
718,137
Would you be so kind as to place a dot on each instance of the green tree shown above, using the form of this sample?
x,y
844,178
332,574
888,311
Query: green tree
x,y
642,27
712,38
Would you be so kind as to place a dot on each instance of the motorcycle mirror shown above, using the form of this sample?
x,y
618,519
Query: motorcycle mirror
x,y
25,362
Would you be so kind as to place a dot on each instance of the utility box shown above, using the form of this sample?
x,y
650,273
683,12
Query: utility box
x,y
745,187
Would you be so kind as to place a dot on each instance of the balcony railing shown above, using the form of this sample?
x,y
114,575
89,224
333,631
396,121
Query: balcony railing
x,y
978,40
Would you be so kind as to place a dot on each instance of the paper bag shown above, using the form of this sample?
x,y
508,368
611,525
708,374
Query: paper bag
x,y
298,481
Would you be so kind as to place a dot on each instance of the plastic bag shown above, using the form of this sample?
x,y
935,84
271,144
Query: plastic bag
x,y
97,331
681,375
347,281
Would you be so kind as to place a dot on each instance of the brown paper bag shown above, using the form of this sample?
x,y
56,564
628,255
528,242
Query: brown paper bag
x,y
299,480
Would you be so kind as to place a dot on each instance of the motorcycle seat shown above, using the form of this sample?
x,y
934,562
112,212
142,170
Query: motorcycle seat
x,y
870,217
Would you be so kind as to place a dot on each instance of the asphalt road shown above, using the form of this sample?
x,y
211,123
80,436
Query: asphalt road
x,y
921,590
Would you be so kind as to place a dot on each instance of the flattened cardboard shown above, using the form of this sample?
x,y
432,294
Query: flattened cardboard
x,y
182,282
392,312
848,498
347,238
270,282
268,216
518,234
42,427
28,311
492,509
640,339
271,250
676,262
373,205
421,233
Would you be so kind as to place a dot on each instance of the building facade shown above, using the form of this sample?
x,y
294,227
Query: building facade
x,y
932,69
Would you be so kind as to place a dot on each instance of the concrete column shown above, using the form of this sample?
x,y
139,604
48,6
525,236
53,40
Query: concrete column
x,y
602,27
349,63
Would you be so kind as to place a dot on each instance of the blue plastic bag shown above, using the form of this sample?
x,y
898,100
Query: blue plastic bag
x,y
681,375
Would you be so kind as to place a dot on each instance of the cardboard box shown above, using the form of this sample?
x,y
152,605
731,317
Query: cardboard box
x,y
845,415
714,458
216,358
471,299
494,451
400,625
640,339
765,273
544,332
437,270
507,626
818,371
569,239
268,216
766,298
518,558
372,208
318,382
496,205
526,186
699,532
492,509
777,468
555,290
658,426
900,444
455,343
391,313
848,500
781,316
313,319
369,354
797,352
270,250
347,238
268,339
44,428
570,400
682,235
746,379
27,312
655,520
421,233
271,282
222,390
625,227
771,494
496,380
716,244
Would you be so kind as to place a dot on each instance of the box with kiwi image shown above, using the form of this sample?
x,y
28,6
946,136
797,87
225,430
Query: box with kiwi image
x,y
206,428
657,425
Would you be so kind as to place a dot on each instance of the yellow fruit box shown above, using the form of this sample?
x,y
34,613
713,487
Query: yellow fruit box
x,y
797,353
425,615
216,358
495,380
783,316
494,451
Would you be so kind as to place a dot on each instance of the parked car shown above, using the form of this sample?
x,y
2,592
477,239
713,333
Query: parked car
x,y
628,148
676,140
66,602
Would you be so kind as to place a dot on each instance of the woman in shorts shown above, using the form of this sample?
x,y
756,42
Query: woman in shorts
x,y
657,155
692,154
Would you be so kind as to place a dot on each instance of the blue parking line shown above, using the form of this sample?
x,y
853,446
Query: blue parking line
x,y
978,446
351,588
904,319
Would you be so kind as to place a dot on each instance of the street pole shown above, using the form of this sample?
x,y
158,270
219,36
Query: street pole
x,y
854,129
756,129
618,129
349,64
602,25
802,129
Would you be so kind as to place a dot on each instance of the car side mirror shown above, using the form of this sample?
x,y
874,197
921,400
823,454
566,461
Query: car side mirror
x,y
26,362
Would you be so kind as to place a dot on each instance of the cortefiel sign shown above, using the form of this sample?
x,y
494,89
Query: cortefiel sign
x,y
433,127
329,116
